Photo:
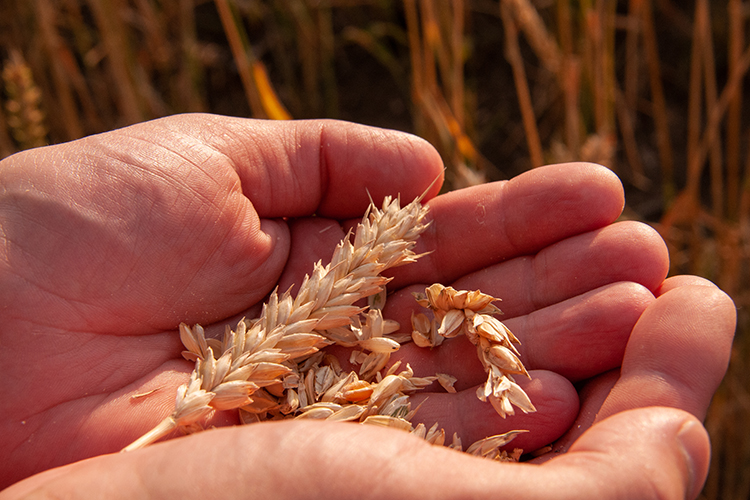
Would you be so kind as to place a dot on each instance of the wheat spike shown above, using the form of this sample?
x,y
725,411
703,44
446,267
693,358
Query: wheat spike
x,y
471,314
253,356
25,117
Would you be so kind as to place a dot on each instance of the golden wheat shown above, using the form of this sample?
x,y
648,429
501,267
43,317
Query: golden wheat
x,y
275,367
25,117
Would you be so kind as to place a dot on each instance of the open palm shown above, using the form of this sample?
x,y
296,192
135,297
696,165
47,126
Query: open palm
x,y
111,241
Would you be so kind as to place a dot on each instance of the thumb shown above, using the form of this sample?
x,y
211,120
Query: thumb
x,y
655,452
649,453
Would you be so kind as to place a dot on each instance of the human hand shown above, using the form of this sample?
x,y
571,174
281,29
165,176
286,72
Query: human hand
x,y
541,242
111,241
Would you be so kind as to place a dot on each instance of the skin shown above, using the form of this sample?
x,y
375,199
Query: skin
x,y
110,241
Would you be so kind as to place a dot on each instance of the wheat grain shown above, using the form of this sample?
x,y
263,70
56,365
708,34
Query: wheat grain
x,y
273,367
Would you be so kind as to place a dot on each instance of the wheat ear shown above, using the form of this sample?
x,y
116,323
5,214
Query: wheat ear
x,y
227,373
25,116
461,312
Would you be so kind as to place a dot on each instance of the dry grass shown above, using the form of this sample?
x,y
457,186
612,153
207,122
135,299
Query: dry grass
x,y
654,89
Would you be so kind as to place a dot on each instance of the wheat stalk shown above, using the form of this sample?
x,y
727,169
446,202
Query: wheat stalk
x,y
273,367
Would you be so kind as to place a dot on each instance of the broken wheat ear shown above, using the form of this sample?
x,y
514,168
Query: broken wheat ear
x,y
275,366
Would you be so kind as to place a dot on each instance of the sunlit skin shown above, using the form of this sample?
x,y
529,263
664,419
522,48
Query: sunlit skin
x,y
111,241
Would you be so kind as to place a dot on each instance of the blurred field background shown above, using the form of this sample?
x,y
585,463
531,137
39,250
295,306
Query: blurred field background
x,y
657,90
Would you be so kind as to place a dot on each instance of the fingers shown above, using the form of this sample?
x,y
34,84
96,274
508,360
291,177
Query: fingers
x,y
578,338
682,280
646,453
284,169
554,397
561,303
487,224
678,352
296,168
652,453
167,221
586,196
625,251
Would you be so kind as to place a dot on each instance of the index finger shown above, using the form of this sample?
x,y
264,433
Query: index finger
x,y
483,225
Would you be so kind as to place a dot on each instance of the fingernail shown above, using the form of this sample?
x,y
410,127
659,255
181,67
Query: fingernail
x,y
696,447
